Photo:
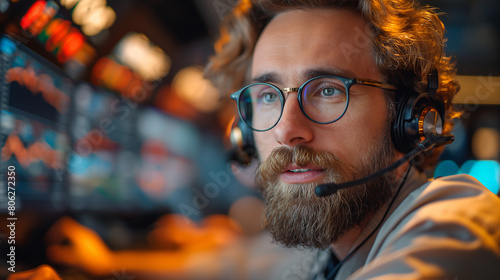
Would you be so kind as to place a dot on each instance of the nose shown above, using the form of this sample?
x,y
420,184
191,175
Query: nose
x,y
293,128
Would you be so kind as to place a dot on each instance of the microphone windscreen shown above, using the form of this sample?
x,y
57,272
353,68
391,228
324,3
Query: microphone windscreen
x,y
325,189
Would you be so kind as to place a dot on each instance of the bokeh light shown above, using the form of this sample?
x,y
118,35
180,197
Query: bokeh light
x,y
192,87
486,143
446,168
147,59
485,171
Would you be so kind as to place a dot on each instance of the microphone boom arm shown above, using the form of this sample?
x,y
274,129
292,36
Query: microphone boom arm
x,y
331,188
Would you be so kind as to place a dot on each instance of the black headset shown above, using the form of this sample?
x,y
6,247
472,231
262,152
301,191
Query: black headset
x,y
418,115
243,148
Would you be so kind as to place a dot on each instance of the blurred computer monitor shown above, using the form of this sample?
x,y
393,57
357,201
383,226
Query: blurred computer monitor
x,y
35,99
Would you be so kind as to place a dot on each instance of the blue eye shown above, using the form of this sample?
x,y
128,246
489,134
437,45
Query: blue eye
x,y
330,91
269,97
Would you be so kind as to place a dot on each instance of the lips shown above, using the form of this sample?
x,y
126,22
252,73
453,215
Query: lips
x,y
295,174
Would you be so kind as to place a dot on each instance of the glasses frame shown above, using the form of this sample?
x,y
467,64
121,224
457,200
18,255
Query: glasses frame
x,y
348,82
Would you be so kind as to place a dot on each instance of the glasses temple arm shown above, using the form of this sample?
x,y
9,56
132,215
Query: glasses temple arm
x,y
373,83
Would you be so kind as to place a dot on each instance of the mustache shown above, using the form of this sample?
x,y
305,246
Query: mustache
x,y
301,155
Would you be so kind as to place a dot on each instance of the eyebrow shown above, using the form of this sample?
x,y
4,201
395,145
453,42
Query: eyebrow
x,y
315,72
274,77
268,77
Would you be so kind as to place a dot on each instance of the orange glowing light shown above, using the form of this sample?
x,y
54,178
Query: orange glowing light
x,y
190,85
38,151
86,54
64,39
72,43
119,82
112,75
135,88
55,31
33,14
58,35
42,83
122,82
230,126
166,100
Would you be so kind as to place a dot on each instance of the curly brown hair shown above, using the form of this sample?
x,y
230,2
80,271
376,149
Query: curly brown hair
x,y
408,43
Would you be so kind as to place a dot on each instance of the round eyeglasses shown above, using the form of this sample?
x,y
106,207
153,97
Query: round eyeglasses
x,y
322,99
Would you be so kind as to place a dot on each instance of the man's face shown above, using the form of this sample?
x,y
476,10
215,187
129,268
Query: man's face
x,y
292,46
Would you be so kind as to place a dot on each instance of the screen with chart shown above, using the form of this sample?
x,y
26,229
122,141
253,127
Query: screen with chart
x,y
78,147
35,98
101,157
126,158
168,158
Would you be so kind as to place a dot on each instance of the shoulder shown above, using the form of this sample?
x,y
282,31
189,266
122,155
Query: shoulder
x,y
456,186
458,196
446,228
457,199
449,205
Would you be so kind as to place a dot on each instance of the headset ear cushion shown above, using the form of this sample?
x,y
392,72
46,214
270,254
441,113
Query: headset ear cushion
x,y
399,135
411,123
242,143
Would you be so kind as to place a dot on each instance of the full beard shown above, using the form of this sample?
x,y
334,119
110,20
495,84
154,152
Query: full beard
x,y
296,217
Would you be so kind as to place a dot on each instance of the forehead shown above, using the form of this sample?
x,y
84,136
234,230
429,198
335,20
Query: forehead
x,y
298,41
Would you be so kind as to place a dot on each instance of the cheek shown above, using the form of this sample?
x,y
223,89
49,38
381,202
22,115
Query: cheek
x,y
264,142
360,131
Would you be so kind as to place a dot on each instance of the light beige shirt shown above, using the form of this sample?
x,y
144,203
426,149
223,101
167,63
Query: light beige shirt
x,y
447,228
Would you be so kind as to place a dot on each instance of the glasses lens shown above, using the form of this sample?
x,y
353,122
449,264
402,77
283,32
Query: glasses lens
x,y
260,106
324,99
